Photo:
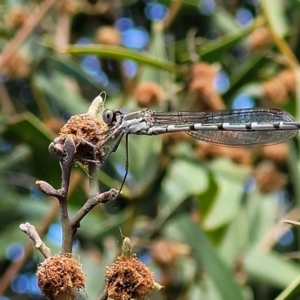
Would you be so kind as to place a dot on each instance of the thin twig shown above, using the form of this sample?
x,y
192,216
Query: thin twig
x,y
16,266
104,295
173,10
30,230
93,179
91,203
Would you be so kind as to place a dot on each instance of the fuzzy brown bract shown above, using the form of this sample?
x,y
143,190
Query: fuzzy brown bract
x,y
128,278
60,275
86,132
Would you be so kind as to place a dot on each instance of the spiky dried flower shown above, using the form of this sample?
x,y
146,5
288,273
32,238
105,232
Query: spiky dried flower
x,y
87,133
17,65
17,17
108,35
268,178
278,89
148,94
128,278
202,88
60,276
259,38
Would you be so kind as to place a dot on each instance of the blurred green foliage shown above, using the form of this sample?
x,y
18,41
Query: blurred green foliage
x,y
208,224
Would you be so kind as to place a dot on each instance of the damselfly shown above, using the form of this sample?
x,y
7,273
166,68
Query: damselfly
x,y
235,128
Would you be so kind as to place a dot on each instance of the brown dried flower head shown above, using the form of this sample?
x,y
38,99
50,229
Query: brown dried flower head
x,y
277,90
148,94
277,153
60,276
202,88
17,65
166,252
108,35
17,17
268,178
260,38
128,278
87,132
209,151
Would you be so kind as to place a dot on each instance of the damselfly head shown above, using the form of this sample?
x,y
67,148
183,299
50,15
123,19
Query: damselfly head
x,y
108,116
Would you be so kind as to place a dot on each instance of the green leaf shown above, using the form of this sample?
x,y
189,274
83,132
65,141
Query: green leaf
x,y
292,290
270,268
208,258
230,180
245,71
157,48
120,54
184,179
225,21
275,12
26,128
211,51
17,155
58,89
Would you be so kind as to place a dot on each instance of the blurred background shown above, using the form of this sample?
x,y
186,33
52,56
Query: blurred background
x,y
207,220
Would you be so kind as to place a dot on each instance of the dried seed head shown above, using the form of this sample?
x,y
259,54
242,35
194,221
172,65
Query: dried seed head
x,y
17,17
165,253
208,151
16,65
268,178
87,133
108,35
60,275
278,89
147,94
260,38
128,278
277,153
202,88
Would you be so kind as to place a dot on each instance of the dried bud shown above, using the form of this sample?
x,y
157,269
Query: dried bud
x,y
147,94
166,252
60,276
210,151
128,278
268,178
259,38
202,87
277,90
17,17
16,65
86,132
108,35
277,153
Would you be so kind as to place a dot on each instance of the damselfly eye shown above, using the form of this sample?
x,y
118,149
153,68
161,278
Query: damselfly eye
x,y
108,116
